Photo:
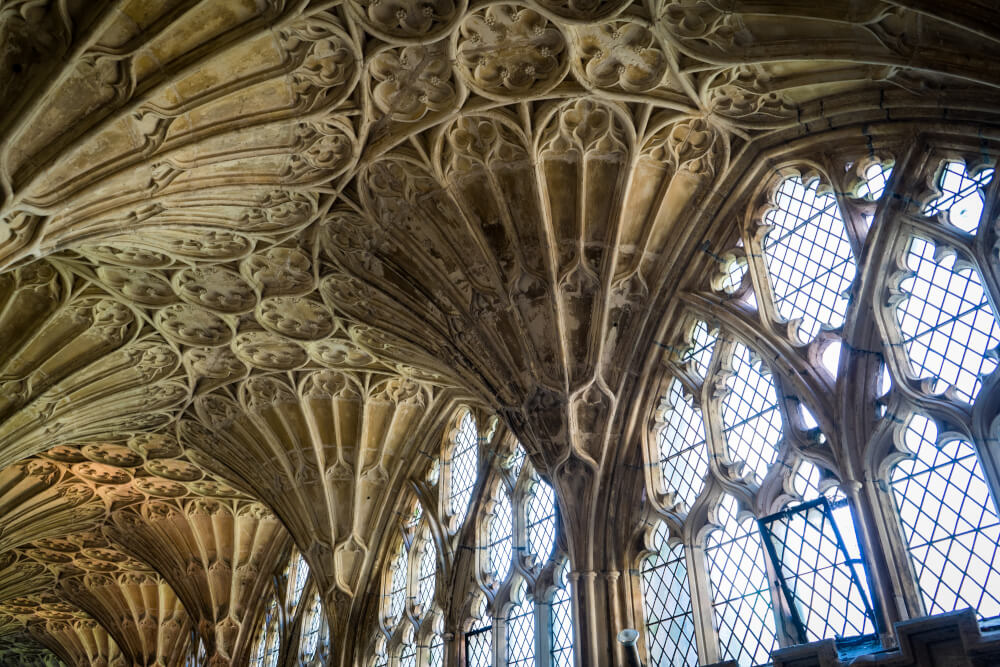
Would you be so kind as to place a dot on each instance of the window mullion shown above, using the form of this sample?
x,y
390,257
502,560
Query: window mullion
x,y
706,638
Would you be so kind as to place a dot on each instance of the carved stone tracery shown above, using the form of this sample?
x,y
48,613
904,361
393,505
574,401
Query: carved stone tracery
x,y
251,255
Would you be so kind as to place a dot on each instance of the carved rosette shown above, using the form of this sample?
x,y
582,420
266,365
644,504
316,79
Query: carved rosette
x,y
620,55
412,82
507,51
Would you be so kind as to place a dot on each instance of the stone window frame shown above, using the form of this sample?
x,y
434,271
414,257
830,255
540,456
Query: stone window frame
x,y
540,580
417,623
882,224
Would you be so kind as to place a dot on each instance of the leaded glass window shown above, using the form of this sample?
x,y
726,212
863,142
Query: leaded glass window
x,y
521,631
876,178
436,650
312,628
699,354
408,652
961,197
561,650
683,460
949,520
266,650
918,294
741,596
809,259
948,326
751,420
541,520
298,573
427,571
817,573
522,518
273,647
500,549
666,600
464,466
479,639
397,586
517,460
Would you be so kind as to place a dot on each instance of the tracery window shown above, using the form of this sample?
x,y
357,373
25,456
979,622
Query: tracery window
x,y
268,643
409,630
463,467
313,630
753,472
669,620
950,521
298,574
524,615
196,653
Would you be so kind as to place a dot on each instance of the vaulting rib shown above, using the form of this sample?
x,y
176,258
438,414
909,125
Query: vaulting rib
x,y
327,450
219,556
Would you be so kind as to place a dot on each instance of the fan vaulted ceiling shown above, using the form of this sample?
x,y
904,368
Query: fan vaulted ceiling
x,y
254,252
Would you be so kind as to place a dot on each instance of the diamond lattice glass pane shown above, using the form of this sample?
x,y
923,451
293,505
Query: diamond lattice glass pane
x,y
961,197
397,587
435,652
521,633
950,522
806,481
500,549
683,460
310,634
298,574
464,468
541,520
948,326
562,622
273,646
876,178
427,571
408,654
750,415
818,575
667,604
732,275
741,597
809,258
479,647
702,346
517,461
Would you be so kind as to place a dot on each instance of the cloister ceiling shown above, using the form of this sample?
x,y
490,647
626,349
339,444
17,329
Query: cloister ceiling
x,y
254,252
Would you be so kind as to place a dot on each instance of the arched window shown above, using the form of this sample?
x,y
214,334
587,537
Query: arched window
x,y
408,650
268,643
950,521
298,574
427,571
397,586
312,629
561,622
520,562
741,597
521,629
753,409
410,617
196,653
500,548
669,620
463,467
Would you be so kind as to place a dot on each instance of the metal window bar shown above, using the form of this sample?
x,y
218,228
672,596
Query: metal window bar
x,y
838,567
478,647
